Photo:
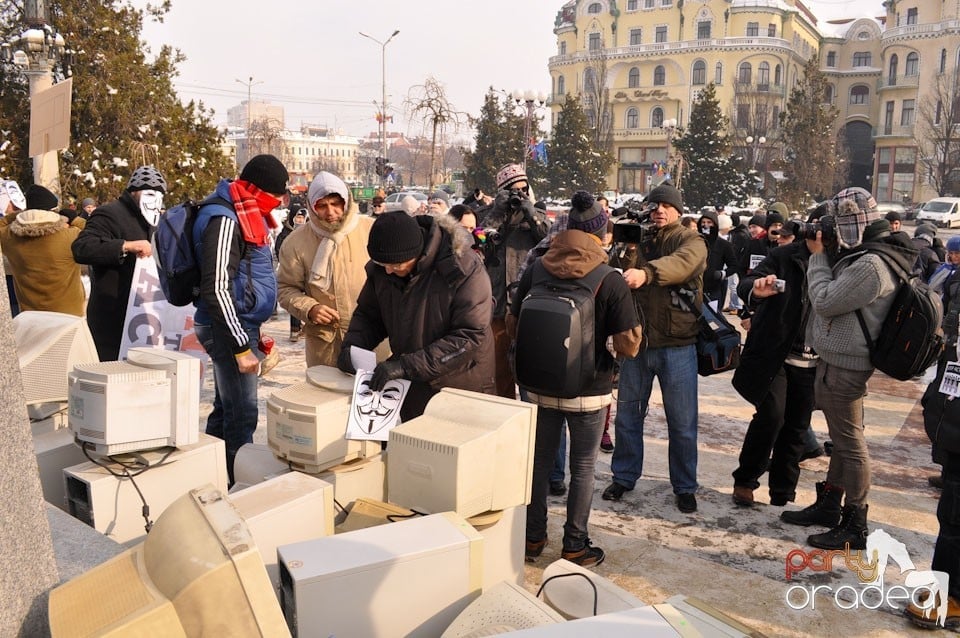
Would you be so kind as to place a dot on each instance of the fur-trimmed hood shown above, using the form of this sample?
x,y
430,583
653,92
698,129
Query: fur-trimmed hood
x,y
37,223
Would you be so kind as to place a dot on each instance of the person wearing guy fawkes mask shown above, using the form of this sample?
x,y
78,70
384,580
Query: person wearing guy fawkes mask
x,y
721,259
116,235
521,227
11,199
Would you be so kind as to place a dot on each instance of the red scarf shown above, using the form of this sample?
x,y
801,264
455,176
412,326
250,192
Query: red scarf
x,y
253,208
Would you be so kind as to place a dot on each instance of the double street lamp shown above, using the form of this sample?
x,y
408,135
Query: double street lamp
x,y
383,102
755,145
530,101
670,128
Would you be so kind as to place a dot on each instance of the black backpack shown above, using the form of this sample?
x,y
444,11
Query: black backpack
x,y
555,351
177,265
911,337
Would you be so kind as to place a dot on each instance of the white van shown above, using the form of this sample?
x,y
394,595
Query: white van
x,y
942,211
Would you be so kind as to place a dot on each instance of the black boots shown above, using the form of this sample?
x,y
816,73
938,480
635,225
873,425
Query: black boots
x,y
851,531
825,511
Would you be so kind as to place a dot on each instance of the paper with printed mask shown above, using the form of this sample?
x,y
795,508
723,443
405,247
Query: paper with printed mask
x,y
373,414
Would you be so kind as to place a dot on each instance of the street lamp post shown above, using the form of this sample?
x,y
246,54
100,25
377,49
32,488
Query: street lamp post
x,y
383,102
530,102
249,84
755,145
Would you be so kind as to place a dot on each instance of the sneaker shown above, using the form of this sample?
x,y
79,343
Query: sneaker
x,y
606,444
614,492
589,556
294,336
534,549
687,503
557,488
930,618
742,496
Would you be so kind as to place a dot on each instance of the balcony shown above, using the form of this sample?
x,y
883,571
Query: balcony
x,y
661,48
915,30
858,110
621,134
899,82
901,130
764,88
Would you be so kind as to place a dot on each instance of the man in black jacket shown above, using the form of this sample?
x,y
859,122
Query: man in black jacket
x,y
721,259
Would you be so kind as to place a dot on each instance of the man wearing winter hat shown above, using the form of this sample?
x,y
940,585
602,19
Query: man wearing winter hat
x,y
438,203
927,260
37,243
854,280
238,292
87,206
426,291
321,269
573,255
521,227
110,244
673,259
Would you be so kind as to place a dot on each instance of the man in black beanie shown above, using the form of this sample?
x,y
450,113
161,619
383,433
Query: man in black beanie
x,y
238,292
669,263
428,293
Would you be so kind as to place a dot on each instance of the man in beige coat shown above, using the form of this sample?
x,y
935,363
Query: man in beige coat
x,y
321,268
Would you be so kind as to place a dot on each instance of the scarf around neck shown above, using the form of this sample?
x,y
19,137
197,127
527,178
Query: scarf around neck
x,y
321,270
253,207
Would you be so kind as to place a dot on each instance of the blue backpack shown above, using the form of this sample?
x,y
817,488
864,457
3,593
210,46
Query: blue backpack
x,y
173,250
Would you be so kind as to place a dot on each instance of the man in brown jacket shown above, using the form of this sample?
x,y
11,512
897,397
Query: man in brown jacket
x,y
673,260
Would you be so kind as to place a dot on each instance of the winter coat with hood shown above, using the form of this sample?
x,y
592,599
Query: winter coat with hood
x,y
100,245
299,289
721,259
45,275
574,254
859,280
674,258
437,319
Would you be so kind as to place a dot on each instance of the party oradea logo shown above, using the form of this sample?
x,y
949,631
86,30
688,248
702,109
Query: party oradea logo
x,y
927,589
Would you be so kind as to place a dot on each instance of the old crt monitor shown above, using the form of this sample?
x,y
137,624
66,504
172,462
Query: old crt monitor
x,y
306,426
468,453
49,345
198,573
151,400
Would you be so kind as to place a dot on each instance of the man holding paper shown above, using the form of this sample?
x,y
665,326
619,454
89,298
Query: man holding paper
x,y
428,293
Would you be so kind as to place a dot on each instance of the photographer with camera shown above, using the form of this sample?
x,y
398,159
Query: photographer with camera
x,y
858,280
519,227
662,257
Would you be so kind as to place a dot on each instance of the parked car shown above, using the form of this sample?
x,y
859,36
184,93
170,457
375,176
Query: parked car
x,y
942,211
393,200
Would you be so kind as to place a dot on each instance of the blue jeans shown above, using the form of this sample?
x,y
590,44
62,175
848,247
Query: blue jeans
x,y
558,467
585,430
735,302
676,370
235,412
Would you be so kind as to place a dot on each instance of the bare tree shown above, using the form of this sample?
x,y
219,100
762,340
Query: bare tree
x,y
429,101
753,116
266,136
938,133
596,99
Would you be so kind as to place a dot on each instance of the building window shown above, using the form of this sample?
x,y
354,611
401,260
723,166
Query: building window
x,y
859,94
666,3
892,71
648,4
831,59
862,58
828,94
753,29
633,78
775,118
743,115
912,15
939,114
703,30
594,42
763,76
636,37
633,118
912,67
699,72
906,114
888,119
632,5
661,35
943,60
561,86
656,117
594,8
563,48
744,73
771,30
659,76
777,75
718,74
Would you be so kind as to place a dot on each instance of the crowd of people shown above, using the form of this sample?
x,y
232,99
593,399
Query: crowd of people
x,y
438,292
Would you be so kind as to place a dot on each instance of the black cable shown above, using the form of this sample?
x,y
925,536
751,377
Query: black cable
x,y
337,504
393,518
596,594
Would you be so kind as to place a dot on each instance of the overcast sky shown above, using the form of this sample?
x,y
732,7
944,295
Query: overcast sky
x,y
310,58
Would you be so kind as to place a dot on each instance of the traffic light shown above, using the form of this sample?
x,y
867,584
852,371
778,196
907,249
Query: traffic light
x,y
380,164
383,167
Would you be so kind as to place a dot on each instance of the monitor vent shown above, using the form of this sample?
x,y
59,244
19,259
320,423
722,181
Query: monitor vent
x,y
301,417
44,378
429,446
92,388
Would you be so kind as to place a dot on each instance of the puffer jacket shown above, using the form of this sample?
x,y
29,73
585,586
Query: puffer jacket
x,y
437,319
298,294
45,275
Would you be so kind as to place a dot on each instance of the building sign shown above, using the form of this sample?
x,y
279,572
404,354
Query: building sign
x,y
655,94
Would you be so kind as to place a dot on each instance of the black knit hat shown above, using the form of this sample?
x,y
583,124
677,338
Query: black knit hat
x,y
394,238
666,194
267,173
587,215
758,220
40,198
146,178
773,217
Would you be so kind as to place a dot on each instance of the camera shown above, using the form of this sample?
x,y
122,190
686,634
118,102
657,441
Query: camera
x,y
515,197
483,236
779,285
635,227
827,226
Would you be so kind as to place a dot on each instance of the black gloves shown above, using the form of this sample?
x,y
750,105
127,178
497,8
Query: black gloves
x,y
344,362
386,371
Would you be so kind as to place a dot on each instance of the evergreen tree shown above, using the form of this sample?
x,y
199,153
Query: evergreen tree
x,y
575,162
806,128
709,175
125,111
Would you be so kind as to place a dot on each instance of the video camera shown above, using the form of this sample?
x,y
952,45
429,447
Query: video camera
x,y
635,227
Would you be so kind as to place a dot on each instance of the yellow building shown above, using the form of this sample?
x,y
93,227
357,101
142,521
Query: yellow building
x,y
638,64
